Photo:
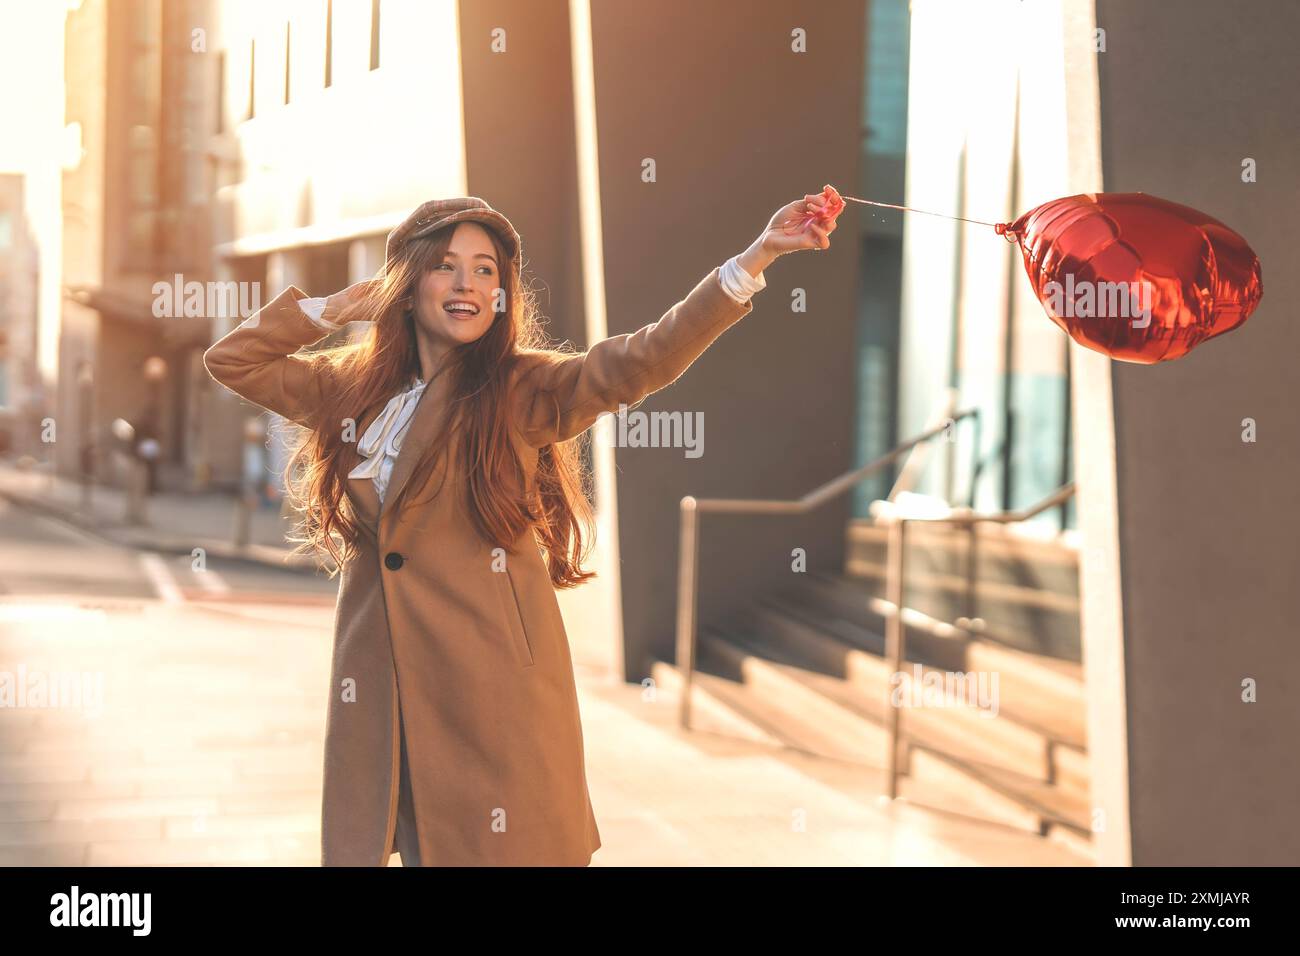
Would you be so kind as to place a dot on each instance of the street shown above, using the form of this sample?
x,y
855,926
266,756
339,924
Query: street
x,y
206,747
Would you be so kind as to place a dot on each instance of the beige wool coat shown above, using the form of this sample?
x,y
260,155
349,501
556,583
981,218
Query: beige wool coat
x,y
477,660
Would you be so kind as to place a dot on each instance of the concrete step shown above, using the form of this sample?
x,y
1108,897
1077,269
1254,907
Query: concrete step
x,y
823,723
860,694
779,719
717,705
1039,691
848,599
1001,555
1071,769
1037,730
763,709
1040,622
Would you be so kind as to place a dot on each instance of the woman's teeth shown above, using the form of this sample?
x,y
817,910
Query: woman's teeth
x,y
462,311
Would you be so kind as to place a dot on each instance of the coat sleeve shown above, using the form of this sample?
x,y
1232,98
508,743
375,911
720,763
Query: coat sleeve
x,y
556,397
257,359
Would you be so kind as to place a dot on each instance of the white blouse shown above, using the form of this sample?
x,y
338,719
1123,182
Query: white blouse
x,y
382,441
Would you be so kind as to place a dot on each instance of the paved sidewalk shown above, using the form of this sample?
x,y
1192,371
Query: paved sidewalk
x,y
208,748
177,522
205,749
668,797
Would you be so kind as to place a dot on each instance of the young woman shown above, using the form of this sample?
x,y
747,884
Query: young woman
x,y
437,469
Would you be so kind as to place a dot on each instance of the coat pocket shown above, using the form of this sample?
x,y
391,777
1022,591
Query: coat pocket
x,y
514,616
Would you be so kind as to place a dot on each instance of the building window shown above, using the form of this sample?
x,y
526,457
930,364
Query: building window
x,y
374,34
287,28
141,69
221,91
329,42
252,79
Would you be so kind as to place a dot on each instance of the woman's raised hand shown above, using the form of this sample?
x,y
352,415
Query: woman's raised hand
x,y
803,224
344,301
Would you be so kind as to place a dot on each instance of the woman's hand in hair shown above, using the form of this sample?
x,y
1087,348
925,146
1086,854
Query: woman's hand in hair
x,y
342,305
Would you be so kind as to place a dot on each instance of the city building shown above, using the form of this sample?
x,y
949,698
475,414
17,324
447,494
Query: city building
x,y
136,204
21,388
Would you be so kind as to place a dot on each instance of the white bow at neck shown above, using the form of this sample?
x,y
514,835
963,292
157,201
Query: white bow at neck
x,y
383,439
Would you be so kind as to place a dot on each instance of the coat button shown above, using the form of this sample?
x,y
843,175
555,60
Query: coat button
x,y
393,561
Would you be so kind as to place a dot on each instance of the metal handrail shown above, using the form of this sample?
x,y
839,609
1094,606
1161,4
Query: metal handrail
x,y
688,551
896,590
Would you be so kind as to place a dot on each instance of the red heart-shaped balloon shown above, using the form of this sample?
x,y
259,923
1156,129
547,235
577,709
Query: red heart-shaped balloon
x,y
1136,277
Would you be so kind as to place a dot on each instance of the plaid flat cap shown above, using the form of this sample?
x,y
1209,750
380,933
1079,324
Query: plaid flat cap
x,y
436,213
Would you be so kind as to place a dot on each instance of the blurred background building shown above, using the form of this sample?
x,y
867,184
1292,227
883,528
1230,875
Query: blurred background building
x,y
136,213
21,398
269,143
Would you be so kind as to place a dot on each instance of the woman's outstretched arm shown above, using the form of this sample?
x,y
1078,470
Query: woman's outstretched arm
x,y
556,397
257,359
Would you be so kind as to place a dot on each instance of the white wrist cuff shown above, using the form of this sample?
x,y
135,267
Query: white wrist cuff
x,y
314,309
738,283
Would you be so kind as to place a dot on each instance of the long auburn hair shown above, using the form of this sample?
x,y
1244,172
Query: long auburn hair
x,y
371,370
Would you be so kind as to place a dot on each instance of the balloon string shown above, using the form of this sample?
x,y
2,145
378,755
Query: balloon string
x,y
868,202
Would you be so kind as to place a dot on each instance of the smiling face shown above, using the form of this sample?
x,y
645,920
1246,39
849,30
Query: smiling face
x,y
456,297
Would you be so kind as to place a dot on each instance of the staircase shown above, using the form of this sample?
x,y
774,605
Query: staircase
x,y
806,669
